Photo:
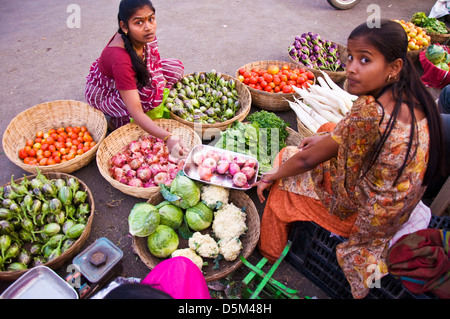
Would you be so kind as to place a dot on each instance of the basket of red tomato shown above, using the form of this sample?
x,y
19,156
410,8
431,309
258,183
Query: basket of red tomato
x,y
271,83
59,136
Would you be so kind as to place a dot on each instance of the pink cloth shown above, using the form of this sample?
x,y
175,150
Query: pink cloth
x,y
180,278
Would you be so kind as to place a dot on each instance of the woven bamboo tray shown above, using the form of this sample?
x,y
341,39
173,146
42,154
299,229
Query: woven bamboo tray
x,y
45,116
275,102
75,248
121,137
337,77
249,239
245,99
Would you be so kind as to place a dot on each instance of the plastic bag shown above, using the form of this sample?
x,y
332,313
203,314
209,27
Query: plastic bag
x,y
161,111
440,9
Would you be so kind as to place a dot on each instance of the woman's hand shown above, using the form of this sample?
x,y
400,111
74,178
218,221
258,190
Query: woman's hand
x,y
176,146
308,142
261,185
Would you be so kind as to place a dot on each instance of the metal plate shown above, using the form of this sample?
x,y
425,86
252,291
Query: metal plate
x,y
40,283
225,180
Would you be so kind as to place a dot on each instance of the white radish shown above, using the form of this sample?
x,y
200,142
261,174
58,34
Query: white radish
x,y
304,117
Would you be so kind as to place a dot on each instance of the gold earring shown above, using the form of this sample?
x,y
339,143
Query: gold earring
x,y
388,79
126,32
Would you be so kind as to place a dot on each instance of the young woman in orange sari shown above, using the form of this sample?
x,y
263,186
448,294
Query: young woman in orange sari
x,y
364,178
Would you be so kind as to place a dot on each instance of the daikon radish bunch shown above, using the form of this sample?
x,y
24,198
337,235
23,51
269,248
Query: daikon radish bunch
x,y
321,103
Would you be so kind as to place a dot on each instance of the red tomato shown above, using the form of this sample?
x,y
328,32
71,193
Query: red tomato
x,y
247,74
287,89
23,153
276,79
253,80
242,71
276,89
310,75
268,77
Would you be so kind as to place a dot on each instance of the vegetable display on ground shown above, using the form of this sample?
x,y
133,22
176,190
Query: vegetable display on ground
x,y
205,97
57,145
276,80
314,52
212,227
145,162
39,220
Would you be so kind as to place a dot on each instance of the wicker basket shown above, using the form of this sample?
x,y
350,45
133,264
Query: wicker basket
x,y
440,38
414,55
75,248
275,102
337,77
249,239
121,137
245,99
45,116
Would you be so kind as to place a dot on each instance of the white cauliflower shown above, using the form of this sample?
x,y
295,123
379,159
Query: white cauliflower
x,y
211,194
229,222
189,253
204,245
230,248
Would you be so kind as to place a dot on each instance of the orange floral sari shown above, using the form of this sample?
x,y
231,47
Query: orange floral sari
x,y
368,209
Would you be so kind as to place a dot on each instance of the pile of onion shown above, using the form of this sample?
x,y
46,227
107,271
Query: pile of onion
x,y
210,162
145,162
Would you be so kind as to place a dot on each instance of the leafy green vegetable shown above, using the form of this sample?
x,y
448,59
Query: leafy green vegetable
x,y
262,138
436,54
143,219
420,19
183,191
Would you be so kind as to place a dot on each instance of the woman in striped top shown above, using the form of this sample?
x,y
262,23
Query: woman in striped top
x,y
129,77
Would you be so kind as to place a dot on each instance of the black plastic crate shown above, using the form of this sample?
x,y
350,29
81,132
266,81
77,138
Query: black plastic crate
x,y
313,253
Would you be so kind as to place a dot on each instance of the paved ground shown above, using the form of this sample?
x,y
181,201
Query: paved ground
x,y
43,58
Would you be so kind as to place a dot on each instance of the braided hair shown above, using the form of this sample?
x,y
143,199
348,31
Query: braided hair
x,y
127,9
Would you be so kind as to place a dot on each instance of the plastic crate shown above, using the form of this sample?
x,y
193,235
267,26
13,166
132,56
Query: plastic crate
x,y
313,253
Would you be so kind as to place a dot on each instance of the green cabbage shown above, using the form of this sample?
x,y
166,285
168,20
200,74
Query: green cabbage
x,y
435,54
199,217
183,192
171,215
163,242
143,219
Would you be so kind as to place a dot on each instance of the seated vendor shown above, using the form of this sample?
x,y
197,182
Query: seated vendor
x,y
129,77
363,179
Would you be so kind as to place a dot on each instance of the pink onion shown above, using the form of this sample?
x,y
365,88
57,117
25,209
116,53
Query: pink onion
x,y
126,167
211,163
234,168
130,173
135,182
213,154
144,173
240,160
150,184
250,162
136,163
248,171
205,173
222,167
239,179
134,146
146,145
227,157
155,169
198,157
119,160
161,177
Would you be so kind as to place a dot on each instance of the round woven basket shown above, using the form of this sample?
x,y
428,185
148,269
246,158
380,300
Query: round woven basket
x,y
245,99
75,248
51,115
440,38
414,54
275,102
338,76
121,138
249,239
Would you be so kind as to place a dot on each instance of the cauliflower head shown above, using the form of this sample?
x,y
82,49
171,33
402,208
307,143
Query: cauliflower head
x,y
204,245
229,222
189,253
211,194
230,248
